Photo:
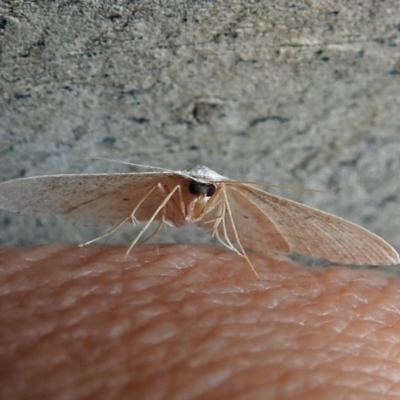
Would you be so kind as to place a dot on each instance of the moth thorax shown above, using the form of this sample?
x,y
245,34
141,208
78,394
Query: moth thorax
x,y
201,189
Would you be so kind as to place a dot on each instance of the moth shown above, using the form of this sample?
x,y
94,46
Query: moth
x,y
237,214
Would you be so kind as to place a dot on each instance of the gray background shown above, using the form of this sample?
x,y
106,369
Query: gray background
x,y
303,93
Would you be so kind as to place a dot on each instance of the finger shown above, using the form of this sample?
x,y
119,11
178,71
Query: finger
x,y
189,321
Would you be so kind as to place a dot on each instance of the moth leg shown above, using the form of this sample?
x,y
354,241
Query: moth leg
x,y
165,191
111,231
217,221
242,252
225,241
130,216
163,220
160,225
160,207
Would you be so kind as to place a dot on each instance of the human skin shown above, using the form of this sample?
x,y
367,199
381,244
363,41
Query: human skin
x,y
192,322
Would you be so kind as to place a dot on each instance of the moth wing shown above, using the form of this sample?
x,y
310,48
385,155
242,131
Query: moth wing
x,y
306,230
267,224
254,229
94,199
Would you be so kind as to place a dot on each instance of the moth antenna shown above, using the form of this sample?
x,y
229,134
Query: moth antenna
x,y
288,187
129,163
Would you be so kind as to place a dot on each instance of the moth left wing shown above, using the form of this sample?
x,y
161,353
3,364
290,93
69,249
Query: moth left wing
x,y
267,224
93,199
235,220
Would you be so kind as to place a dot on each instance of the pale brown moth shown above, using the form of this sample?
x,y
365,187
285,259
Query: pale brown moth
x,y
239,215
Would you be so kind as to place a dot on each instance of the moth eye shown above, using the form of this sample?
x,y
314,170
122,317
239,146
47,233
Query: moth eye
x,y
210,190
200,188
195,187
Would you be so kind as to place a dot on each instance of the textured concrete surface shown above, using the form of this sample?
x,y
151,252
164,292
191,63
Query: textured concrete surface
x,y
302,93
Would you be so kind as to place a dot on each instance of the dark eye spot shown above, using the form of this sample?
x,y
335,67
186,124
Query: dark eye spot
x,y
195,187
210,190
201,189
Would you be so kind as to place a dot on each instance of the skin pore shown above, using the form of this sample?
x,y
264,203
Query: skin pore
x,y
192,322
